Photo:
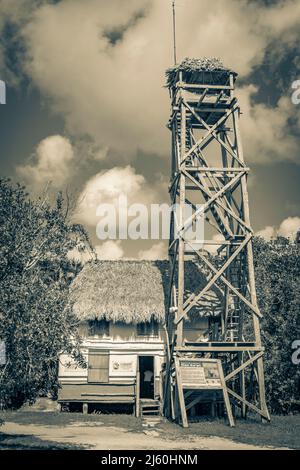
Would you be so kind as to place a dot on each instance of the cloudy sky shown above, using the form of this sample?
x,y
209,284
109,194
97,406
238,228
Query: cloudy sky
x,y
86,104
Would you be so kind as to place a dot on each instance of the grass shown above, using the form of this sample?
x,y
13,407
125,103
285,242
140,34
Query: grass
x,y
50,418
282,431
25,442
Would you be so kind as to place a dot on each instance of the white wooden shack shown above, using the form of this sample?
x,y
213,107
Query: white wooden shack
x,y
121,307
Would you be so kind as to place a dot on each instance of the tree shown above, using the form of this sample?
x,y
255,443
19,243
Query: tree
x,y
36,319
277,266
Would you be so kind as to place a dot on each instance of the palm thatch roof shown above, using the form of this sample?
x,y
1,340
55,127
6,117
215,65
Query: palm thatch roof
x,y
134,291
202,70
120,291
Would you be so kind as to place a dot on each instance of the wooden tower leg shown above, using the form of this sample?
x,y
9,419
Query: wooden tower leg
x,y
261,386
180,395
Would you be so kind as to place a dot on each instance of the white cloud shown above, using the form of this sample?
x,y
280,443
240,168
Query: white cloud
x,y
115,93
288,228
267,233
109,250
107,187
50,163
157,251
266,132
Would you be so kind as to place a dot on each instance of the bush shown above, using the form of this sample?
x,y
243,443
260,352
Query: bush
x,y
277,278
36,320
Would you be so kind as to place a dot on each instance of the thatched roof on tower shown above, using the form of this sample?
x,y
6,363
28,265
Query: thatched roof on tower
x,y
203,70
135,291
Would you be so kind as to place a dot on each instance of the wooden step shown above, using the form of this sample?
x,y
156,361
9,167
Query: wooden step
x,y
151,408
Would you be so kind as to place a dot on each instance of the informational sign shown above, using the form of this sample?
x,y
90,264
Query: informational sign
x,y
200,373
122,365
2,353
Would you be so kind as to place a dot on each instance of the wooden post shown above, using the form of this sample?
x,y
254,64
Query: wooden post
x,y
180,395
251,274
85,408
173,415
226,398
181,221
137,392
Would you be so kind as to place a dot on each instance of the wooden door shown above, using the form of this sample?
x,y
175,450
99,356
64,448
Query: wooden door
x,y
98,366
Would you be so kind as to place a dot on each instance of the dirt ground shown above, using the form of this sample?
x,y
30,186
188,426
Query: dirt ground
x,y
99,437
51,430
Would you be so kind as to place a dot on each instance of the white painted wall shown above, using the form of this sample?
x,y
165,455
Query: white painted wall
x,y
124,346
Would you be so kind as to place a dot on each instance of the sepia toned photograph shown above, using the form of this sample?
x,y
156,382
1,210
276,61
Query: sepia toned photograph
x,y
149,229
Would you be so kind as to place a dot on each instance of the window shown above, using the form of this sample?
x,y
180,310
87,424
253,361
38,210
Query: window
x,y
148,328
98,328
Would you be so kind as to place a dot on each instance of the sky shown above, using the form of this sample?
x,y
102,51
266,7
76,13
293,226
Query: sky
x,y
86,106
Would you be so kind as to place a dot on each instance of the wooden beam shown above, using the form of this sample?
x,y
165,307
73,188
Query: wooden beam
x,y
137,393
243,366
181,241
209,134
193,402
188,305
253,308
249,405
226,398
205,207
220,349
180,395
201,86
223,206
211,130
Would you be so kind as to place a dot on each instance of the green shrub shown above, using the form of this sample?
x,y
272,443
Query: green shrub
x,y
277,269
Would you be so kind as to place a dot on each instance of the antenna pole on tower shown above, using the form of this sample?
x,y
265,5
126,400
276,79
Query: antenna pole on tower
x,y
174,31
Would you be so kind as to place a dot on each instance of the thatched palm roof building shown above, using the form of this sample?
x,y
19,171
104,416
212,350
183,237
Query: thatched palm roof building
x,y
134,291
123,291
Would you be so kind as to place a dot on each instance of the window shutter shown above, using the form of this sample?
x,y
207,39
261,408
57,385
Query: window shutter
x,y
98,364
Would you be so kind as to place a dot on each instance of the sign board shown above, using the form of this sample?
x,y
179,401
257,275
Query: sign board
x,y
200,373
122,365
2,353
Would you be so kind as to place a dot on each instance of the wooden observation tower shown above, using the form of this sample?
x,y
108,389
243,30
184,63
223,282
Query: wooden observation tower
x,y
208,169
